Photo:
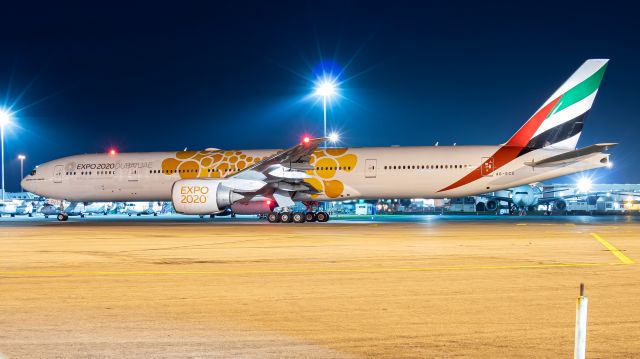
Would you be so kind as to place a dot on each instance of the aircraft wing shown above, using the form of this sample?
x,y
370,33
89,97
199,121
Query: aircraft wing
x,y
571,156
545,200
279,175
577,195
499,198
294,158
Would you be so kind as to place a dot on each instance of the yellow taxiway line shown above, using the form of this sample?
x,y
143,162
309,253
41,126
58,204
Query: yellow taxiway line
x,y
616,252
296,270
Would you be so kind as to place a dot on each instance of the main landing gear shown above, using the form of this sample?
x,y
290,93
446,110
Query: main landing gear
x,y
297,217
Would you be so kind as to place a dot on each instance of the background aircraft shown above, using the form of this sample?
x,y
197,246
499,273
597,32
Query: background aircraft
x,y
528,197
140,208
75,209
16,208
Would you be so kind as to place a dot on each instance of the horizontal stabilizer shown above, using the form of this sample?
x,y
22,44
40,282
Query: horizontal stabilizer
x,y
571,156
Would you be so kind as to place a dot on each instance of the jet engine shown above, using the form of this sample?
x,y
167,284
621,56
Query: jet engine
x,y
560,205
492,205
197,196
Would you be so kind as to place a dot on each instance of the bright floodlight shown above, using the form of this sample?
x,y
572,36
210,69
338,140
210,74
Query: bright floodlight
x,y
21,157
326,88
5,118
334,137
584,185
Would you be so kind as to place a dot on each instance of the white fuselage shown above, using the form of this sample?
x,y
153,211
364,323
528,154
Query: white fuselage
x,y
341,173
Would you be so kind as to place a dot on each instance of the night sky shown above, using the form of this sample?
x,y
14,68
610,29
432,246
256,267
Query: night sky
x,y
151,77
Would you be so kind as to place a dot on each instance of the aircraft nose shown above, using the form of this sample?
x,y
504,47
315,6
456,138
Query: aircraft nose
x,y
27,185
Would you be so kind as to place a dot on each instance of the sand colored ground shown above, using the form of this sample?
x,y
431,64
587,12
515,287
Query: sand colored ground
x,y
430,288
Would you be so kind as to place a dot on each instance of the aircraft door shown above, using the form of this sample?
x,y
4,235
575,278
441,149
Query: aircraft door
x,y
370,168
133,174
57,174
487,166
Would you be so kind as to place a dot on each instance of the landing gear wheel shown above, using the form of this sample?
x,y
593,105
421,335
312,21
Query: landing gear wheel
x,y
104,213
233,215
310,217
298,217
129,214
30,215
82,215
155,214
62,217
285,217
273,217
322,216
138,214
212,216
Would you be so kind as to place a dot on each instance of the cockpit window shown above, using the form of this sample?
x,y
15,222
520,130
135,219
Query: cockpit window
x,y
33,172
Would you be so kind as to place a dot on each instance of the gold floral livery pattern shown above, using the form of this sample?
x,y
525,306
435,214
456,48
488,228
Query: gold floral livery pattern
x,y
219,164
328,163
213,163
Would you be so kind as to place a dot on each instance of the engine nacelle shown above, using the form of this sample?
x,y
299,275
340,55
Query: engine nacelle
x,y
560,205
263,206
492,205
198,196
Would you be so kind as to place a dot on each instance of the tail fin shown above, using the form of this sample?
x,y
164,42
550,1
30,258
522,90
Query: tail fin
x,y
558,123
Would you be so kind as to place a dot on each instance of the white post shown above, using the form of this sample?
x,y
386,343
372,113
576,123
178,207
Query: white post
x,y
581,325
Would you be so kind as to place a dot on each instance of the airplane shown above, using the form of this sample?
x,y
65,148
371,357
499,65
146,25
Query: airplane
x,y
16,208
527,197
268,182
75,209
98,208
140,208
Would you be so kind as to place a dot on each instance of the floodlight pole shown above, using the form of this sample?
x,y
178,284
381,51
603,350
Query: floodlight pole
x,y
21,172
324,108
2,156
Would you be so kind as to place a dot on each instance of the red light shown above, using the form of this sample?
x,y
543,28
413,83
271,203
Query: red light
x,y
306,139
112,152
268,202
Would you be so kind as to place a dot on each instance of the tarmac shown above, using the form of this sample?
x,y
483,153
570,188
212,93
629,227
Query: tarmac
x,y
394,287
